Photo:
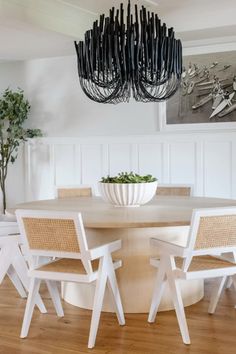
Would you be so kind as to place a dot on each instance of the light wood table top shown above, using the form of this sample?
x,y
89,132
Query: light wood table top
x,y
162,211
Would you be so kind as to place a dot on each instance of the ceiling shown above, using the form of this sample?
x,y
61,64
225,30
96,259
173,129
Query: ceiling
x,y
25,41
99,6
43,28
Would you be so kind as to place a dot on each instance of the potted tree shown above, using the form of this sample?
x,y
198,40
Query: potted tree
x,y
14,109
128,189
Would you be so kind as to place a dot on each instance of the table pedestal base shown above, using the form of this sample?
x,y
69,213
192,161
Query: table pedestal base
x,y
136,277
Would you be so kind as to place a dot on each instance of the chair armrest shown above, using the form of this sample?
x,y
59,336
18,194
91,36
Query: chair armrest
x,y
100,251
168,247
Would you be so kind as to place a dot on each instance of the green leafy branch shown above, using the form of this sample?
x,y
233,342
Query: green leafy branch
x,y
14,109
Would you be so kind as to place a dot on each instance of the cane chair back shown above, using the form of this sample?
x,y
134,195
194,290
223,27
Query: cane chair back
x,y
74,192
174,190
54,234
212,232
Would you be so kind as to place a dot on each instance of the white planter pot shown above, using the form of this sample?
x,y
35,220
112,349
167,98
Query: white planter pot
x,y
127,194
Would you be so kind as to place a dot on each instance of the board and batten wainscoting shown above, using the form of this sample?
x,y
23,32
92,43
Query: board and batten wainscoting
x,y
207,160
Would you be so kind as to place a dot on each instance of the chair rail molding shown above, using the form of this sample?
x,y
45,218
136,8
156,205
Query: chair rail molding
x,y
205,160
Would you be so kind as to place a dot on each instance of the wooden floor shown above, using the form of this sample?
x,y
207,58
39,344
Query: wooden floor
x,y
210,334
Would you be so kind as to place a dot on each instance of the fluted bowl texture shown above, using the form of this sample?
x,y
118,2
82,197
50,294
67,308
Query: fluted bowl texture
x,y
127,194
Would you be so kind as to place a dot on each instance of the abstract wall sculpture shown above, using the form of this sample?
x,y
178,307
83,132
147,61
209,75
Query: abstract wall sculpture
x,y
129,55
208,90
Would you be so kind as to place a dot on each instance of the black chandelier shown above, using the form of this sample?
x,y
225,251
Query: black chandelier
x,y
139,57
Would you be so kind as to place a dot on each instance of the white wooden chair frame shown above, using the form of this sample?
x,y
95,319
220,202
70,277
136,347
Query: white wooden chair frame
x,y
225,282
104,275
75,187
176,231
176,186
169,272
12,262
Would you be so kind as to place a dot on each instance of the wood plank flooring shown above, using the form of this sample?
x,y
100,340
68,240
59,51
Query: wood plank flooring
x,y
210,334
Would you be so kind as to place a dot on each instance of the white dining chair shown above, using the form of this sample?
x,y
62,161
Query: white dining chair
x,y
73,191
12,262
212,232
181,190
174,233
62,235
224,283
9,255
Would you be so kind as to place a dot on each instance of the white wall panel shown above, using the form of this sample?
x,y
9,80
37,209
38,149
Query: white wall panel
x,y
182,162
64,161
218,169
208,161
91,164
15,180
39,172
151,160
120,158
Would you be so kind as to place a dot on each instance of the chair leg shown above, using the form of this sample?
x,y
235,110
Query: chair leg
x,y
179,307
229,282
216,294
159,287
5,261
98,300
54,293
20,266
233,277
114,290
16,281
21,269
32,297
40,304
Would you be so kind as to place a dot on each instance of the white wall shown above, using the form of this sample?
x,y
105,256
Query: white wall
x,y
12,75
84,140
60,107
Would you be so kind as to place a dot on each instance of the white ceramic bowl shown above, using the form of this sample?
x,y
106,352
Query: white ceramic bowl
x,y
128,194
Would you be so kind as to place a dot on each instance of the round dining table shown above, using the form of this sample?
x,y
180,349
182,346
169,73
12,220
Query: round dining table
x,y
165,217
